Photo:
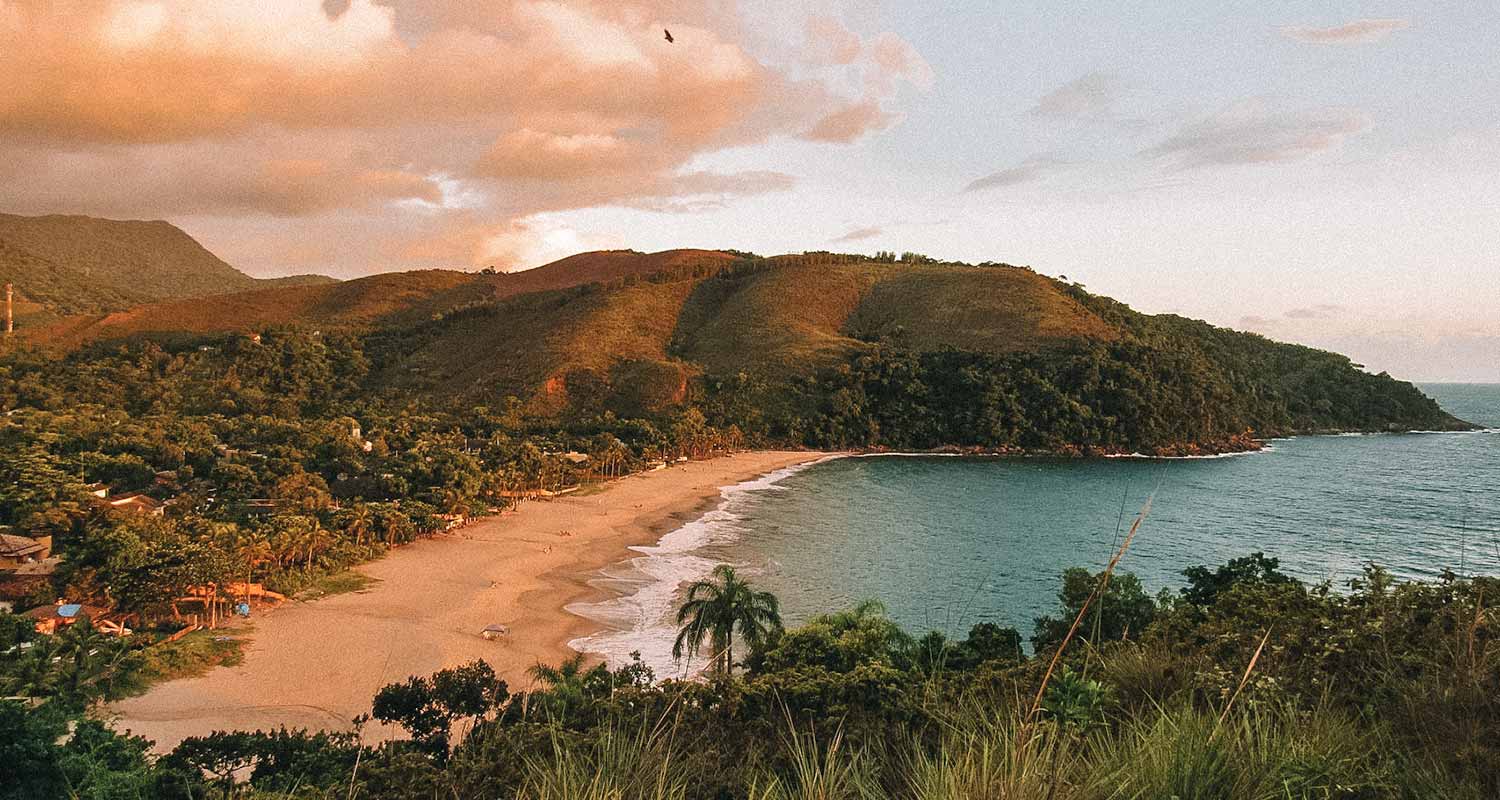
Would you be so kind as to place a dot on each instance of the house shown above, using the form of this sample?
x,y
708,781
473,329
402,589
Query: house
x,y
260,506
16,589
575,457
98,489
49,618
136,503
16,551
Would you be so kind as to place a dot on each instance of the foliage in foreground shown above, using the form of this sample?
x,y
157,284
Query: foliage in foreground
x,y
1386,690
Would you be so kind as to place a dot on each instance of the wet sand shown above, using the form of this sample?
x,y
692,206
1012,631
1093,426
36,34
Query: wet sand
x,y
317,664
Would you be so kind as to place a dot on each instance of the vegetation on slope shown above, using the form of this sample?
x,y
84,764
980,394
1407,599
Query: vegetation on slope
x,y
820,349
1244,684
841,351
82,265
386,299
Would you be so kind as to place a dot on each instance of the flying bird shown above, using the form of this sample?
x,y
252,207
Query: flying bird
x,y
669,35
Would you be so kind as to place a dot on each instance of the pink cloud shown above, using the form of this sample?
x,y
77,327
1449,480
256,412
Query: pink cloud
x,y
348,114
850,123
1361,31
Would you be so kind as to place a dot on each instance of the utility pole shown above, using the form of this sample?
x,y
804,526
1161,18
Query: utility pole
x,y
10,318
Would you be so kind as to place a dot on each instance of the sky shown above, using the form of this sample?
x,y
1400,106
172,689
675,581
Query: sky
x,y
1319,172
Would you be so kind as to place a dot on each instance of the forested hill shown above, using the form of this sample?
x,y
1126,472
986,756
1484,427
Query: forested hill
x,y
817,349
76,264
831,350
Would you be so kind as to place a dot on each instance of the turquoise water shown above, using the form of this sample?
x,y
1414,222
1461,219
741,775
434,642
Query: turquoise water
x,y
947,542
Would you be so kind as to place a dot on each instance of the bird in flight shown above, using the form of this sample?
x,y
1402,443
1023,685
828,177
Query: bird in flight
x,y
669,35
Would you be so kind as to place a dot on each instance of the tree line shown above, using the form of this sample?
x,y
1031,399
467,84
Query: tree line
x,y
1244,683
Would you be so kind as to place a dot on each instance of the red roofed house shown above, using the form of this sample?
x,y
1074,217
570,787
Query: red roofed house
x,y
18,550
137,503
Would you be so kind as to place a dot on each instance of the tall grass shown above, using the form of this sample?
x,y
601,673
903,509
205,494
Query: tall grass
x,y
819,771
617,764
1179,752
1260,754
981,754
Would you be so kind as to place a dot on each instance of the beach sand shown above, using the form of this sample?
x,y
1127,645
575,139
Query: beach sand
x,y
317,664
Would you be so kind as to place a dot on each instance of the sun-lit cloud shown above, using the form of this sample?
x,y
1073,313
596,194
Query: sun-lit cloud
x,y
1360,31
851,122
692,192
358,111
897,59
830,41
1031,169
529,241
1253,133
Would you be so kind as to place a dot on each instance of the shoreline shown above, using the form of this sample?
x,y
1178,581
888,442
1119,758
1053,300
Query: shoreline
x,y
318,664
633,596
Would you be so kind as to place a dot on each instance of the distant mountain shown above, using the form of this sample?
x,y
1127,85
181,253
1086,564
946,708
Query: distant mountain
x,y
66,265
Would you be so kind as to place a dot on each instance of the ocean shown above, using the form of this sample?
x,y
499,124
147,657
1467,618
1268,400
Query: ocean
x,y
946,542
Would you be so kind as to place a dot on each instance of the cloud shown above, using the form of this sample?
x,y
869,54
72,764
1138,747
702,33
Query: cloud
x,y
533,241
1360,31
859,235
702,191
360,115
880,64
829,41
1251,133
898,59
1319,311
1091,95
1255,323
1033,168
850,123
884,59
277,178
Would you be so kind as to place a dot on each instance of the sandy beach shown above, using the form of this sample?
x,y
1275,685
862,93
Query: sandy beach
x,y
317,664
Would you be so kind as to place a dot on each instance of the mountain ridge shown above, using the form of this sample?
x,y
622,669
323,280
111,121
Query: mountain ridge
x,y
68,264
827,349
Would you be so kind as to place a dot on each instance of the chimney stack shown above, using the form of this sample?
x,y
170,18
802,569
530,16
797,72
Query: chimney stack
x,y
10,319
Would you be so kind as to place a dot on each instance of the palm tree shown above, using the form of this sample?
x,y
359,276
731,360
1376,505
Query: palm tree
x,y
358,521
718,609
253,550
568,684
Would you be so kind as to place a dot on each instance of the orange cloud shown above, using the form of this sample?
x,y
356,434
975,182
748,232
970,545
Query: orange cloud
x,y
381,108
830,41
851,122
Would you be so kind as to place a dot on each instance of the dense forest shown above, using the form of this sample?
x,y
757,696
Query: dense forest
x,y
1246,684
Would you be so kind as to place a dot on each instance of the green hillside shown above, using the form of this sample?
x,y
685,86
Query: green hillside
x,y
818,349
382,300
840,351
78,265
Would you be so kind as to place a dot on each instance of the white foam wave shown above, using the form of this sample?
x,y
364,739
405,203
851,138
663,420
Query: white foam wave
x,y
1267,448
911,455
640,617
